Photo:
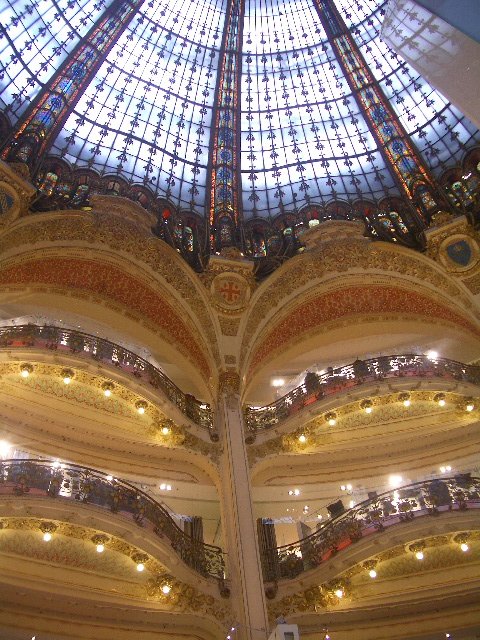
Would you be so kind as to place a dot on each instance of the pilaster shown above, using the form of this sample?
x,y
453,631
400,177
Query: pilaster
x,y
241,543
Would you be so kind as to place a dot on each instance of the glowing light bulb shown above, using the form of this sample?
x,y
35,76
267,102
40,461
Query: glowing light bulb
x,y
296,492
339,593
302,438
165,431
332,422
441,402
140,566
372,573
47,536
24,373
464,546
100,548
67,380
432,355
419,555
107,393
470,406
395,481
5,448
368,409
141,410
407,403
109,478
166,589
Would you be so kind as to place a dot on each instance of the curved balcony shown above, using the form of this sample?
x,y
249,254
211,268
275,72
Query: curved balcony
x,y
80,484
83,344
421,499
361,372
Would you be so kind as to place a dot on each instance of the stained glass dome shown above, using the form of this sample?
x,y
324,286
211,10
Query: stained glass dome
x,y
221,106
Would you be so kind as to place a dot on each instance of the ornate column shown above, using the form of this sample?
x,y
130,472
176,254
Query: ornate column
x,y
411,174
44,119
224,180
241,543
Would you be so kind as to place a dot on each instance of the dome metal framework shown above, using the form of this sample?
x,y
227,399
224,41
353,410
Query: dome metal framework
x,y
237,122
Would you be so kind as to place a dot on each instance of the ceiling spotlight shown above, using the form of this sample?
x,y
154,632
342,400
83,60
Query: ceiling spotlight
x,y
25,370
5,449
67,375
405,398
107,389
100,548
141,406
140,559
395,481
278,382
47,528
417,549
100,540
469,404
432,355
439,398
367,406
165,431
372,573
339,593
331,418
166,588
302,438
461,539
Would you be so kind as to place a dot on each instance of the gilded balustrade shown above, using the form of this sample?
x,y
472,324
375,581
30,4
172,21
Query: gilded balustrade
x,y
316,387
421,499
86,345
70,482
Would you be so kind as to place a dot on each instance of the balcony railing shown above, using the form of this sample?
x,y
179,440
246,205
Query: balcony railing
x,y
428,498
335,381
73,483
84,344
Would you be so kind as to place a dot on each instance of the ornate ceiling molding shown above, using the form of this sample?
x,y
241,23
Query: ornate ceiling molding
x,y
111,284
354,258
354,303
78,420
124,237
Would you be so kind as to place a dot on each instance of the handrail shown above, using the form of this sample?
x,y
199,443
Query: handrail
x,y
80,343
334,381
89,486
430,497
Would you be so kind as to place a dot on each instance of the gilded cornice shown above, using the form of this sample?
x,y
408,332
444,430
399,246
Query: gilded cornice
x,y
387,410
86,389
441,552
122,237
14,179
182,597
303,273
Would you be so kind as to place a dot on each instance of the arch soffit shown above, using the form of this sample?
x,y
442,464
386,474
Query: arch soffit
x,y
375,544
130,244
117,284
346,265
78,423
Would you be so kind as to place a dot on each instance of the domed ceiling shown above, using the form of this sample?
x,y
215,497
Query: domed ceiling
x,y
299,133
